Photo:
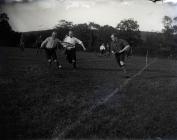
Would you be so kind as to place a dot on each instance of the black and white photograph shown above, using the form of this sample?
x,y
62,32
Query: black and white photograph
x,y
88,69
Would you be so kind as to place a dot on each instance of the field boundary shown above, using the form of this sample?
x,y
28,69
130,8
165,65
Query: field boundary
x,y
86,113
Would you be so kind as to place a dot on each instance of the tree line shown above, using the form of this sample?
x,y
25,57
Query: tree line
x,y
93,35
8,37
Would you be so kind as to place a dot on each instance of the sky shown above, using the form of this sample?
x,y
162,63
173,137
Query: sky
x,y
32,15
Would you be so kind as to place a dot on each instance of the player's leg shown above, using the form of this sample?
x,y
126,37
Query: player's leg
x,y
117,56
123,66
129,52
68,56
54,56
48,56
120,57
122,62
73,55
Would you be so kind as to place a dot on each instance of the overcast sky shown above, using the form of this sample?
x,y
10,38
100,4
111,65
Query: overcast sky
x,y
30,15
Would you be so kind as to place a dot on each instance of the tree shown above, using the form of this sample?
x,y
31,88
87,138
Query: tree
x,y
129,30
82,31
65,24
93,38
4,24
7,35
105,33
5,30
168,28
128,25
94,26
63,27
175,25
169,32
167,21
3,16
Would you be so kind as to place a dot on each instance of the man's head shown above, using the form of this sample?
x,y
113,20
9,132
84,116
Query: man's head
x,y
113,37
71,33
54,34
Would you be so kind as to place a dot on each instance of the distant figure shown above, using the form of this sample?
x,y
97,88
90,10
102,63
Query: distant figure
x,y
69,44
108,48
102,49
22,44
50,46
119,48
37,44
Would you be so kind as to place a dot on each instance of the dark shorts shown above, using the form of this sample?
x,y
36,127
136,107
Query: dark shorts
x,y
51,54
120,57
102,51
71,55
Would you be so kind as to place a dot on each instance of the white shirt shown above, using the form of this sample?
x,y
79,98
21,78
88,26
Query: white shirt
x,y
72,40
50,42
102,47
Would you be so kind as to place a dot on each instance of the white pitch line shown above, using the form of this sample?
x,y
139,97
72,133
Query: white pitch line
x,y
86,113
101,102
137,74
126,82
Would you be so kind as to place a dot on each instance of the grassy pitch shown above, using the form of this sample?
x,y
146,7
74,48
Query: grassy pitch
x,y
41,102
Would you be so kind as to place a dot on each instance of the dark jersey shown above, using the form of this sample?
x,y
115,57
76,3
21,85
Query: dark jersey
x,y
118,45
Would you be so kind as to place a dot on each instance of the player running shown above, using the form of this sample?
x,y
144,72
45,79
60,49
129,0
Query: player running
x,y
69,44
102,49
22,44
50,46
37,44
119,48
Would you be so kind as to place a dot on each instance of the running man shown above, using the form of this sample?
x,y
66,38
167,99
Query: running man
x,y
37,44
22,44
50,46
102,49
69,44
119,48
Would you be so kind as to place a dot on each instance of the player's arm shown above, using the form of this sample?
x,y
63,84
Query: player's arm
x,y
81,43
83,46
127,46
44,42
59,41
64,42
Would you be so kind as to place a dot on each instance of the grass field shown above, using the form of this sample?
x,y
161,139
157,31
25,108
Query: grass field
x,y
94,101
